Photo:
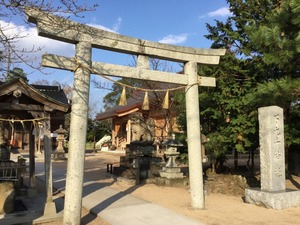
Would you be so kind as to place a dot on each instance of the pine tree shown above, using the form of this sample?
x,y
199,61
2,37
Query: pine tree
x,y
16,73
262,43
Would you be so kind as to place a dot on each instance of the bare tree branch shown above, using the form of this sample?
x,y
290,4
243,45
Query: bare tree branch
x,y
11,53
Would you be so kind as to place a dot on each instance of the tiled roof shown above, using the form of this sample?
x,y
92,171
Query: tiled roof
x,y
54,92
114,111
136,101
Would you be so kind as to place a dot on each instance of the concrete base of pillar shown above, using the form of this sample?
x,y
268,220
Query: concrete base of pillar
x,y
50,214
50,209
274,200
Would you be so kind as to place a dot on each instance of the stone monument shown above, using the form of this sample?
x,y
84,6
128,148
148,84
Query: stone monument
x,y
272,193
139,155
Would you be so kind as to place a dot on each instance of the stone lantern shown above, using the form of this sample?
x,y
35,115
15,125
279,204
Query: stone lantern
x,y
171,170
60,152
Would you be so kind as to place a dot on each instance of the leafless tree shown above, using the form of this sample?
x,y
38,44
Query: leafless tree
x,y
10,52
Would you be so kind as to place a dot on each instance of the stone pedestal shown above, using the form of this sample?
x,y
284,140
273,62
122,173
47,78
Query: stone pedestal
x,y
272,193
171,170
171,173
50,209
7,197
138,160
273,200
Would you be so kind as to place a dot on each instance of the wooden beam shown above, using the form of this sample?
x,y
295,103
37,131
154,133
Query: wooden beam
x,y
20,107
61,62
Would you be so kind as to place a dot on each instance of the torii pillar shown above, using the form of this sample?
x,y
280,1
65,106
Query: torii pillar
x,y
86,37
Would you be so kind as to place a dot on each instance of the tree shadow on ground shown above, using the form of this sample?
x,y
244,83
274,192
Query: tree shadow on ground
x,y
294,182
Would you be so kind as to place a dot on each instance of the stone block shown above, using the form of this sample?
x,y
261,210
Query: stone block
x,y
273,200
7,197
139,149
171,173
271,140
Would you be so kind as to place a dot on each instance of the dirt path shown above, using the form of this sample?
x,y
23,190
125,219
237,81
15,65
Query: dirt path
x,y
219,209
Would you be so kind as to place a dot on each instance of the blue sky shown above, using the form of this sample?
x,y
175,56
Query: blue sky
x,y
180,22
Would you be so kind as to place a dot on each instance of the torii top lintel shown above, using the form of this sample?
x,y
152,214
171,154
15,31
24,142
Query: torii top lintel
x,y
61,29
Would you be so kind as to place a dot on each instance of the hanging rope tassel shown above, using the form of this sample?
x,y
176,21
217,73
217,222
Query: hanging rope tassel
x,y
166,101
146,102
123,98
23,126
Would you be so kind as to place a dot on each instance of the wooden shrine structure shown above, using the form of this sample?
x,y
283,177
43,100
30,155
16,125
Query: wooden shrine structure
x,y
24,109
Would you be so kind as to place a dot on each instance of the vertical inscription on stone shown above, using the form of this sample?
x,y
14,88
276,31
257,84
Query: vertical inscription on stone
x,y
271,135
277,129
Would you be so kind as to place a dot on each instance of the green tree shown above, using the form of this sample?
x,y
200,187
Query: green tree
x,y
262,42
285,93
277,42
97,129
277,39
16,73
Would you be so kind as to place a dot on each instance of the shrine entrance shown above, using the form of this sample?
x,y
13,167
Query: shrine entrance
x,y
85,38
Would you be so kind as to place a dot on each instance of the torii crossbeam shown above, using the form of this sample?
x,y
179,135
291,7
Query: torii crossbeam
x,y
85,38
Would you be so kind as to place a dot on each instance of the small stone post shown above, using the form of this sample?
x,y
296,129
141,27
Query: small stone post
x,y
50,208
272,193
32,192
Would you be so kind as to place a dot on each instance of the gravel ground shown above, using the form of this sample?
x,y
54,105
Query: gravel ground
x,y
219,208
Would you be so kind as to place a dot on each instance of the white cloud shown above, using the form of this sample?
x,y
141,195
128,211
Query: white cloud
x,y
174,39
98,26
27,38
221,12
115,28
117,25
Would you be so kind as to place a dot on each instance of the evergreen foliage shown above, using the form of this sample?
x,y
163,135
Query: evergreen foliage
x,y
260,68
16,73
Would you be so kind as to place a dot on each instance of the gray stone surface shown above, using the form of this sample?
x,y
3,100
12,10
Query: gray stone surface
x,y
7,197
171,172
272,193
271,140
274,200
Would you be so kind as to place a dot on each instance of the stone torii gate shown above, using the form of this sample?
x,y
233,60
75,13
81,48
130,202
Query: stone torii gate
x,y
85,38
